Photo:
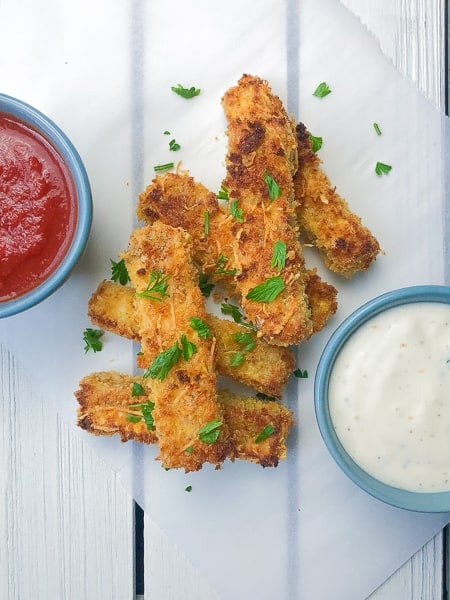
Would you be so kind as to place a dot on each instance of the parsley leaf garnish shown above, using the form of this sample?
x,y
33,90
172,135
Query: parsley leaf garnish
x,y
119,272
209,433
200,327
279,256
91,338
185,92
174,146
265,433
377,128
147,414
316,142
245,339
301,374
188,348
266,291
322,90
220,264
272,187
188,488
381,168
236,212
137,389
164,167
163,362
157,287
234,312
205,287
222,194
237,359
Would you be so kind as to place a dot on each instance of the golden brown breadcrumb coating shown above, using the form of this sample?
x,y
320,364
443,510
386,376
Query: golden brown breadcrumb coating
x,y
107,407
185,393
260,163
266,368
345,244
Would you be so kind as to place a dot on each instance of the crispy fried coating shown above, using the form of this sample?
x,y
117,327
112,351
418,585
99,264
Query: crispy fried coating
x,y
345,244
260,163
185,388
105,399
266,368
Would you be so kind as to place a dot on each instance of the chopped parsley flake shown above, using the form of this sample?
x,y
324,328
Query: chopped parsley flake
x,y
237,359
147,414
174,146
234,312
185,92
209,433
163,363
301,374
265,433
316,142
220,264
279,255
165,167
156,288
188,488
206,222
266,291
272,187
188,348
119,272
222,194
322,90
377,128
205,287
382,168
200,327
91,338
137,389
236,212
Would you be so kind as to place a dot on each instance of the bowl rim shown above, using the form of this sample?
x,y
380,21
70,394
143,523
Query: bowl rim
x,y
58,139
431,502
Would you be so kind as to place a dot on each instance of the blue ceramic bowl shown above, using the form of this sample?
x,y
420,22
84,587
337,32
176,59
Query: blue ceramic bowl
x,y
416,501
39,122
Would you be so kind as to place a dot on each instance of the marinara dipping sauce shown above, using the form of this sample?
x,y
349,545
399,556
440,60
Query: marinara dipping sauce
x,y
38,208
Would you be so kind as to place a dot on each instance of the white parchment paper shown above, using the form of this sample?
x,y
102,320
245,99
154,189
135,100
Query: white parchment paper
x,y
103,72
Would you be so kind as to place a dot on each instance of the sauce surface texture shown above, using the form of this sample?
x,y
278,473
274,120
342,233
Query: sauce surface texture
x,y
389,396
37,208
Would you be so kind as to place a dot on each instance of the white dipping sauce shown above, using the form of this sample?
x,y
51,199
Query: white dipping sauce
x,y
389,396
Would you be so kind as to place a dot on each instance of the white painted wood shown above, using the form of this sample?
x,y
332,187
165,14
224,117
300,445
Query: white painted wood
x,y
66,523
411,33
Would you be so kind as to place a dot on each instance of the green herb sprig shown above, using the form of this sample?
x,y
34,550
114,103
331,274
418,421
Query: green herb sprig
x,y
209,433
119,272
156,289
185,92
267,291
92,341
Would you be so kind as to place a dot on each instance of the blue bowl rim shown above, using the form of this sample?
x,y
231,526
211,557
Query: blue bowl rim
x,y
54,134
430,502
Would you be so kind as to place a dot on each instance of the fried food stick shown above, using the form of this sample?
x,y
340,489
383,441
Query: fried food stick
x,y
178,200
266,368
177,359
260,163
107,407
345,244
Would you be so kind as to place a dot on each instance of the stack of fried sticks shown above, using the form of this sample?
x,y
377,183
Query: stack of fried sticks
x,y
246,239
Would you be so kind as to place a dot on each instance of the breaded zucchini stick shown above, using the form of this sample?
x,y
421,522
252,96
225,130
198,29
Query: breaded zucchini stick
x,y
180,201
265,368
260,163
345,244
107,407
176,358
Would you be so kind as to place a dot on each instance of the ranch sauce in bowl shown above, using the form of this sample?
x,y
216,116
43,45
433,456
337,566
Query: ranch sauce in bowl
x,y
389,396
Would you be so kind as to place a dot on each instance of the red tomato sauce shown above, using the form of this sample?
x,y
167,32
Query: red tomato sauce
x,y
38,211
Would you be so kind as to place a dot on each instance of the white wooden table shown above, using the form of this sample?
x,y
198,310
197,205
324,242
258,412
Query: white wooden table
x,y
61,536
